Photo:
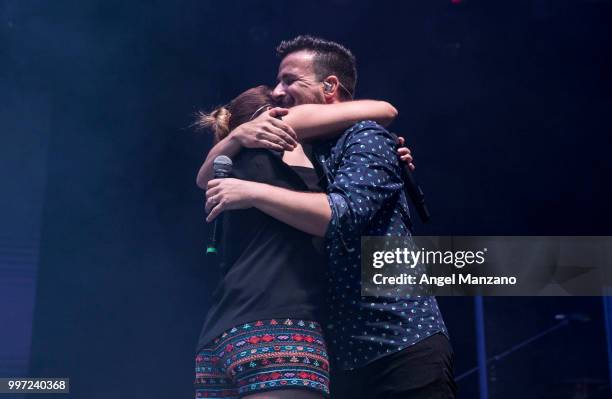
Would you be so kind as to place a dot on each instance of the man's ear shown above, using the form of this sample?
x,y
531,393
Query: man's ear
x,y
331,87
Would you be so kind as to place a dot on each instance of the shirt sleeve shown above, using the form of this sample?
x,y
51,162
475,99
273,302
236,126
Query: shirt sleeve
x,y
367,177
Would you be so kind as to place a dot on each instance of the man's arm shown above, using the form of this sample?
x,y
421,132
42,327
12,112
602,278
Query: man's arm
x,y
308,212
322,121
265,131
309,120
367,177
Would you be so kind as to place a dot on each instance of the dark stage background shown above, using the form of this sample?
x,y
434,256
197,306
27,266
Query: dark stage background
x,y
506,105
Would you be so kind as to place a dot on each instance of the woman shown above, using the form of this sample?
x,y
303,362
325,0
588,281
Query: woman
x,y
261,337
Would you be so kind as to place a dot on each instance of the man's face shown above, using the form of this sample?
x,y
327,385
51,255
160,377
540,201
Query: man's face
x,y
297,83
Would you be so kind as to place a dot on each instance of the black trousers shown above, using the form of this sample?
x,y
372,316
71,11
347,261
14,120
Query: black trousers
x,y
422,371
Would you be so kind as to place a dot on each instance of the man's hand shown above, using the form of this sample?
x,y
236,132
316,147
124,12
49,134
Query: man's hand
x,y
266,131
404,153
227,194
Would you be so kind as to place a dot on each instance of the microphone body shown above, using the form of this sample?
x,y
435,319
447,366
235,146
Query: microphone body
x,y
222,166
416,195
413,191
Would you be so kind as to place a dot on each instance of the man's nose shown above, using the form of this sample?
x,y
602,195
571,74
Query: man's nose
x,y
279,91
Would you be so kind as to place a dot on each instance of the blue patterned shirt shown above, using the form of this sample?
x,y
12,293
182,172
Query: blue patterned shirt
x,y
366,196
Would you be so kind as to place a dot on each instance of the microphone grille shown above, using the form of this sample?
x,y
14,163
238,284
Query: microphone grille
x,y
222,164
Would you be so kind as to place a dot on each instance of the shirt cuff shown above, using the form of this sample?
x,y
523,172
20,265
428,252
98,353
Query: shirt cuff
x,y
339,210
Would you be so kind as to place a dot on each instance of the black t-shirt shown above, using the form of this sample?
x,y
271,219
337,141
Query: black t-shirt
x,y
270,270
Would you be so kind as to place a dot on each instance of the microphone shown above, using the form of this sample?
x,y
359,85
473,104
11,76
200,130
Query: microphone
x,y
222,166
413,191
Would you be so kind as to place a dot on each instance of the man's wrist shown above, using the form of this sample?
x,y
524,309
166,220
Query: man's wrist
x,y
234,140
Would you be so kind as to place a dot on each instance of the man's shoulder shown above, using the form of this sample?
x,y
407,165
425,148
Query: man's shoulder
x,y
365,125
368,131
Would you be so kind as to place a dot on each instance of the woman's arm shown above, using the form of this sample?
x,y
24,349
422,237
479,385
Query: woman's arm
x,y
316,121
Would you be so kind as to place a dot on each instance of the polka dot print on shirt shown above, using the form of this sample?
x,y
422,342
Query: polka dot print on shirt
x,y
365,193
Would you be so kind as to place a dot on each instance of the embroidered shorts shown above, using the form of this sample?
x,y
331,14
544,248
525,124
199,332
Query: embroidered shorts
x,y
262,356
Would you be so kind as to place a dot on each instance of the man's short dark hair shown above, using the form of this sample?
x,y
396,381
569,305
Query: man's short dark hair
x,y
330,58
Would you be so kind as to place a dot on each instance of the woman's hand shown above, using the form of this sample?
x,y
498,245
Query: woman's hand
x,y
404,153
266,131
227,194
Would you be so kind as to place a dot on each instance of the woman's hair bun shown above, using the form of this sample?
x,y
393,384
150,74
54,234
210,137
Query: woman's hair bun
x,y
217,121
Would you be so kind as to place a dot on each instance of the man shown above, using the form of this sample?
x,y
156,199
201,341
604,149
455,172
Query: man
x,y
382,347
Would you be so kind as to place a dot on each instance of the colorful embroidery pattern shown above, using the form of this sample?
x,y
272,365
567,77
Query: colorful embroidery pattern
x,y
262,356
